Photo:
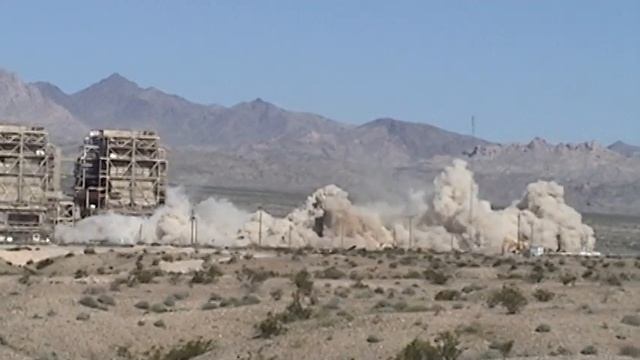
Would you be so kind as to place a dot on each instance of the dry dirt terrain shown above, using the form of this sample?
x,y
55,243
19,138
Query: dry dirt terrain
x,y
176,303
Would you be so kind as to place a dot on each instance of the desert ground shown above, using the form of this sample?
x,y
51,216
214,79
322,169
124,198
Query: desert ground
x,y
157,302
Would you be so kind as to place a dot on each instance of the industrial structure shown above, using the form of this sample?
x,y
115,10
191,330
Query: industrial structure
x,y
31,202
124,171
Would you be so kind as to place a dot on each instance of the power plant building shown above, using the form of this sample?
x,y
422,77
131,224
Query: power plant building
x,y
124,171
29,183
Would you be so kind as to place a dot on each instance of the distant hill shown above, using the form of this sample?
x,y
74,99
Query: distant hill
x,y
625,149
259,145
23,103
121,103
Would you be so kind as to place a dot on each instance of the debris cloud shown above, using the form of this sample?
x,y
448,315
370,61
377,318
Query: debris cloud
x,y
452,218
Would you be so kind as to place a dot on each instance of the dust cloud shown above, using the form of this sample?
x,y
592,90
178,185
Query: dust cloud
x,y
452,218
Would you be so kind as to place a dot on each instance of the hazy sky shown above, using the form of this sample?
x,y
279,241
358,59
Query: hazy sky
x,y
564,70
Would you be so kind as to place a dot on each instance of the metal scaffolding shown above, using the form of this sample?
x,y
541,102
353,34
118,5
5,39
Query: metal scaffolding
x,y
122,171
27,179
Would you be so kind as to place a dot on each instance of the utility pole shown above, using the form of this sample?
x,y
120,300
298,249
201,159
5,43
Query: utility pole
x,y
452,238
395,239
519,237
410,230
290,230
341,234
471,203
194,228
260,226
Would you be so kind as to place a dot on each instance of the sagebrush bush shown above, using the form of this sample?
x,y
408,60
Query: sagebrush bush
x,y
184,351
630,351
330,273
447,295
445,348
509,297
543,295
270,327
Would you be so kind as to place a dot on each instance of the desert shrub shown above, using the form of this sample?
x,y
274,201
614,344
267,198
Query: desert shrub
x,y
249,300
270,327
359,284
445,348
25,279
94,290
116,283
372,339
332,304
472,287
436,277
543,295
184,351
418,350
209,306
274,324
447,295
543,328
409,291
303,282
106,300
630,351
589,350
169,301
613,280
509,297
503,347
276,294
631,320
208,276
550,265
568,279
413,274
472,328
330,273
167,258
44,263
560,351
295,311
142,276
253,278
160,324
80,273
91,302
537,274
180,295
89,251
143,305
158,308
215,297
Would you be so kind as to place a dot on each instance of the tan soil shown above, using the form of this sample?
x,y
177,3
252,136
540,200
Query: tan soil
x,y
38,313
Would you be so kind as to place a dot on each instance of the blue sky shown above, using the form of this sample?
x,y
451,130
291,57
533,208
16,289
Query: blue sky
x,y
564,70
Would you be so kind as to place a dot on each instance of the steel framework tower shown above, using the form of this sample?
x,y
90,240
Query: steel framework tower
x,y
123,171
28,175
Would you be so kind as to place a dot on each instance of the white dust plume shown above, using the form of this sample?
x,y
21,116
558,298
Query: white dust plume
x,y
216,223
452,218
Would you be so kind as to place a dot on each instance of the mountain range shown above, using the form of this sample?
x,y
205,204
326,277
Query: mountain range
x,y
259,145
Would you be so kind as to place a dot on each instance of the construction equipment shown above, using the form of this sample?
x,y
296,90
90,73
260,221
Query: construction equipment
x,y
29,184
123,171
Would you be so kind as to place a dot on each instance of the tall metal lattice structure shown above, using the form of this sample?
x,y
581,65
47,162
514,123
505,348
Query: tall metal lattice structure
x,y
28,178
123,171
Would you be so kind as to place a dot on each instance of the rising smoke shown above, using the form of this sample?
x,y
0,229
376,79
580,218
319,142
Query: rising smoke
x,y
453,218
217,222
